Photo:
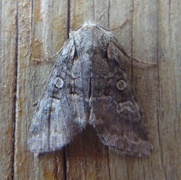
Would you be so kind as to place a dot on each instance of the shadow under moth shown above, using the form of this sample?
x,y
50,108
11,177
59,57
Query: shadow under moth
x,y
89,85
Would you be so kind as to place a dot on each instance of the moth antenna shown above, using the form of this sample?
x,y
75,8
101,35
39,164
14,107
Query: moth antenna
x,y
120,26
128,56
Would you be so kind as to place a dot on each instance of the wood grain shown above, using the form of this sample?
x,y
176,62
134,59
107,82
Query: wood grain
x,y
33,31
7,87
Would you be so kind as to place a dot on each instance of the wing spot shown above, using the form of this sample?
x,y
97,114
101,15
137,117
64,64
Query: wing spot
x,y
58,82
121,85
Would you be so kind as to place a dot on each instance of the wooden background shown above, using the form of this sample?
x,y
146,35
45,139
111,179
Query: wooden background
x,y
33,31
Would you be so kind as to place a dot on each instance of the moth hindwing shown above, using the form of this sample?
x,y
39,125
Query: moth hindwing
x,y
89,85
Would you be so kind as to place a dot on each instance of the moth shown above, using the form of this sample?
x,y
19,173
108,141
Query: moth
x,y
89,85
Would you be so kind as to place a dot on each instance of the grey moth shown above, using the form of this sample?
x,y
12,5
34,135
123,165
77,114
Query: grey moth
x,y
89,85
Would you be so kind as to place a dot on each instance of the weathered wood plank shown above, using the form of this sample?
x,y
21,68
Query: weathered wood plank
x,y
121,22
169,75
145,25
7,86
86,149
42,29
80,11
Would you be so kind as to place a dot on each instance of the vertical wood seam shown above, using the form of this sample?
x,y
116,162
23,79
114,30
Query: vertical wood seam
x,y
131,51
68,30
68,17
15,93
159,92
